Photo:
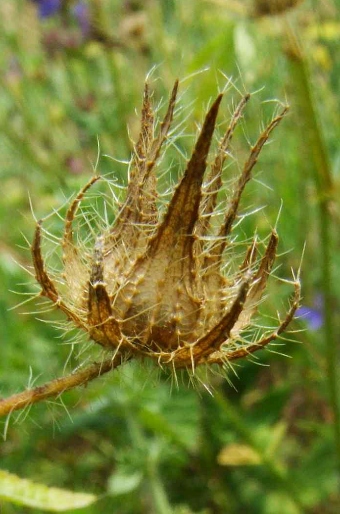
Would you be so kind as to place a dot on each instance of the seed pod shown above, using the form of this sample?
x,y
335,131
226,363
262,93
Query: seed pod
x,y
156,284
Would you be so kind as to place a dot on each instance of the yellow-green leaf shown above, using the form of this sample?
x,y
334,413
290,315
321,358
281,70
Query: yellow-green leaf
x,y
31,494
238,455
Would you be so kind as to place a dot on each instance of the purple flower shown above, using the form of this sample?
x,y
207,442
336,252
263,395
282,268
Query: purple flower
x,y
313,316
47,8
82,15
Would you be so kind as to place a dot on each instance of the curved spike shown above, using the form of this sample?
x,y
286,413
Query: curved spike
x,y
146,132
225,229
74,268
72,211
214,179
140,205
250,257
266,265
259,283
164,128
183,209
47,285
218,335
264,341
104,329
247,169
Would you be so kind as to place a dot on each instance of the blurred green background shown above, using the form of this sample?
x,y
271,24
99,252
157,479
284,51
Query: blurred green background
x,y
74,77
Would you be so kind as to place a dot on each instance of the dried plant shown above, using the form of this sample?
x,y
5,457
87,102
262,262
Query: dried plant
x,y
163,285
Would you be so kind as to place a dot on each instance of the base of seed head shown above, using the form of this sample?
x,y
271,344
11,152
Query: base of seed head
x,y
156,284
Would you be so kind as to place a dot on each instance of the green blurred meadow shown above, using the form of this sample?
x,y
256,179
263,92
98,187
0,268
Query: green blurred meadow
x,y
269,441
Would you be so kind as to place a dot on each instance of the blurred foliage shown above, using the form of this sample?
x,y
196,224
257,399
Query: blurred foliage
x,y
25,492
267,444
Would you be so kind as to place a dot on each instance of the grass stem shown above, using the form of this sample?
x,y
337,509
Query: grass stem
x,y
322,177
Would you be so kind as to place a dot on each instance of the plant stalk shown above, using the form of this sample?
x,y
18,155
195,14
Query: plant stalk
x,y
324,185
56,387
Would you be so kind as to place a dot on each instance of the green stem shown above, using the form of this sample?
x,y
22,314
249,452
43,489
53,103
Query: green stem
x,y
159,497
324,186
275,470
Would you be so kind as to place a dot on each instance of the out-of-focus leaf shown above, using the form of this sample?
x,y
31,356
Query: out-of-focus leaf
x,y
328,30
276,502
275,439
177,419
238,455
121,483
31,494
245,50
183,509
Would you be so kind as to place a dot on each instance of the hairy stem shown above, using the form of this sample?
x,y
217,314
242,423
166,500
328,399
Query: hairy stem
x,y
58,386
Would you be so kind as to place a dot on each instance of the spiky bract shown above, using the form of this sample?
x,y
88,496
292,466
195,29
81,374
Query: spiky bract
x,y
156,284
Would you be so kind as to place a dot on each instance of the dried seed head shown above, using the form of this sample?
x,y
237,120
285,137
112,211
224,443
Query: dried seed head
x,y
157,285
